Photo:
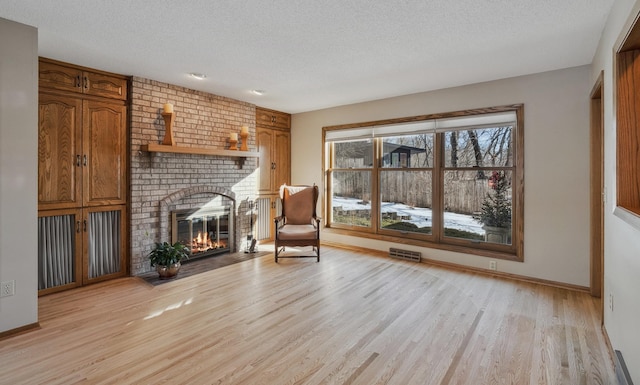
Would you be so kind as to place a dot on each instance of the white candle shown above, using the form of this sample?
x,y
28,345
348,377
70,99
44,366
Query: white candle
x,y
168,108
244,130
233,136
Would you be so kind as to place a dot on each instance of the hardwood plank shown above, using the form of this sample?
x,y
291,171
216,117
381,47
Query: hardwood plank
x,y
354,318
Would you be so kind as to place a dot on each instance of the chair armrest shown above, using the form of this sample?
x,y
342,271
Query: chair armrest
x,y
278,219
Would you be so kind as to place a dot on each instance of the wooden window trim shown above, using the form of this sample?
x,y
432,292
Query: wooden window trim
x,y
514,252
627,99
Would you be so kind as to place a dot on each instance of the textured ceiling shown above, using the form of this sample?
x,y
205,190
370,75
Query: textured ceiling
x,y
310,54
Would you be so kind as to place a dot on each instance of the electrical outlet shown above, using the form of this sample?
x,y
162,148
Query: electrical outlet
x,y
493,265
7,288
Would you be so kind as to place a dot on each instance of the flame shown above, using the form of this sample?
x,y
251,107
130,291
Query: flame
x,y
202,242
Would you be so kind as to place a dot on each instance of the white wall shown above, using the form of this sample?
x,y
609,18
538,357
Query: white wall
x,y
622,236
556,164
18,172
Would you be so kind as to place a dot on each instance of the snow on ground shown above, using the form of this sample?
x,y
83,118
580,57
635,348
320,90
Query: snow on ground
x,y
420,216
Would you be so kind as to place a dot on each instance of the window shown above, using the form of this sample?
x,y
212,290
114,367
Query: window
x,y
452,181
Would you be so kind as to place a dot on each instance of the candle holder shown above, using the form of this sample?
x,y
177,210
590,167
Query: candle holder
x,y
169,118
244,136
233,144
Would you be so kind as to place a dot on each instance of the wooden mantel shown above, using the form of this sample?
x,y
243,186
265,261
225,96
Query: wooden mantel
x,y
240,155
153,147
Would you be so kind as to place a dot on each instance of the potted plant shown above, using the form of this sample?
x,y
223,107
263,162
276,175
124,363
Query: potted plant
x,y
166,258
495,214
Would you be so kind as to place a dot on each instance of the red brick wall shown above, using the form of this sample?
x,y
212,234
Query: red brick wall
x,y
202,120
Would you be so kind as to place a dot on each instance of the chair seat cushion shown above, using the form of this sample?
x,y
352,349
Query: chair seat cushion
x,y
290,232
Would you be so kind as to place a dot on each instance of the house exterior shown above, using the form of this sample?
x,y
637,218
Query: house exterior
x,y
557,175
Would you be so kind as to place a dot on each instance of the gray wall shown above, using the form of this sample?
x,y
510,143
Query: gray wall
x,y
18,172
622,233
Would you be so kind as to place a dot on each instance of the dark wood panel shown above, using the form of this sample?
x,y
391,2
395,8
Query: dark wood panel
x,y
628,131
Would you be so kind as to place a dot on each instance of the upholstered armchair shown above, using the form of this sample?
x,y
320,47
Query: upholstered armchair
x,y
298,225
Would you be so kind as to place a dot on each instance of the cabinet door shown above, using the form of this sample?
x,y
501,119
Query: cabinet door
x,y
60,77
104,85
104,243
59,152
271,118
105,148
265,160
59,250
282,156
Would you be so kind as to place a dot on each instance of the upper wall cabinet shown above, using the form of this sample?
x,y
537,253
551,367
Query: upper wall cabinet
x,y
76,79
82,140
271,118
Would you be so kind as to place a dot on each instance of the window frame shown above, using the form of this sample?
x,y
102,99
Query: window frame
x,y
437,239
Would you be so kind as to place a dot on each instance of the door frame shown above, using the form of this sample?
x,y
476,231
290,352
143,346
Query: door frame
x,y
597,188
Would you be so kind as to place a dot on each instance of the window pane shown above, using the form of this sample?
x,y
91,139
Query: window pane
x,y
483,147
406,201
353,154
408,151
478,205
351,197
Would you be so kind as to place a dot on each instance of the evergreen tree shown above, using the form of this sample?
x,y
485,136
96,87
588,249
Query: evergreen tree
x,y
496,208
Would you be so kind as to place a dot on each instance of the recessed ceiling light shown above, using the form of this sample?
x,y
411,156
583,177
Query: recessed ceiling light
x,y
257,92
197,75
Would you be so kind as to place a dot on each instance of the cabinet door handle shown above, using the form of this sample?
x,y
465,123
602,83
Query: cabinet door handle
x,y
273,165
77,226
84,225
78,81
78,160
84,160
86,83
273,205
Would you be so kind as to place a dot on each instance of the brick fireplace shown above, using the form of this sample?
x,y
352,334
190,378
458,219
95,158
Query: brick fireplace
x,y
201,217
163,182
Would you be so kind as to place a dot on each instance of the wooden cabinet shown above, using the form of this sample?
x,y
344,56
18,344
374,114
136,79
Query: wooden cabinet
x,y
58,76
271,118
82,176
274,166
80,246
81,152
274,159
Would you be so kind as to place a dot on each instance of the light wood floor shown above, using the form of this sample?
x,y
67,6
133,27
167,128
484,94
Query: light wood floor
x,y
350,319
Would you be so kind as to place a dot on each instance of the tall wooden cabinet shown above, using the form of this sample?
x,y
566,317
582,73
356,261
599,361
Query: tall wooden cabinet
x,y
274,165
82,176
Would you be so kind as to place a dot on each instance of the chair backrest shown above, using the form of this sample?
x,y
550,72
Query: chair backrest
x,y
299,203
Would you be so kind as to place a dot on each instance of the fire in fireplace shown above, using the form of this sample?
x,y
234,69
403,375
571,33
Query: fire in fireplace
x,y
207,230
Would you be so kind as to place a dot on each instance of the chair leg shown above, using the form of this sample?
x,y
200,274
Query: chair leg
x,y
318,253
276,253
